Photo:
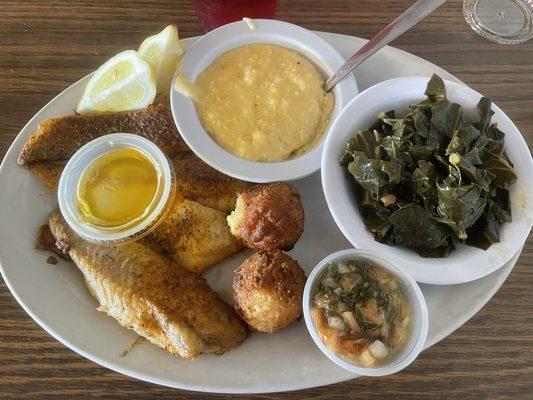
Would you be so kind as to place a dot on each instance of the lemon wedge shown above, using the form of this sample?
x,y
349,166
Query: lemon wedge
x,y
163,52
124,82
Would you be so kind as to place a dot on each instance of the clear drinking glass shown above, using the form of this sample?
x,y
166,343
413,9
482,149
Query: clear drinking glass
x,y
501,21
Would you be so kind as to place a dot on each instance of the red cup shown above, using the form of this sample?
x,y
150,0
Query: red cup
x,y
215,13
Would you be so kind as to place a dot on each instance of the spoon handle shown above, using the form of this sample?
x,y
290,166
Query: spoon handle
x,y
409,18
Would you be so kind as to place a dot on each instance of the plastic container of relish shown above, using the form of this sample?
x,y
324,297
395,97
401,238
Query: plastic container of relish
x,y
369,352
116,189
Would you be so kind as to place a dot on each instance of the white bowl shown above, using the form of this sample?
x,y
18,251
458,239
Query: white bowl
x,y
464,264
419,322
237,34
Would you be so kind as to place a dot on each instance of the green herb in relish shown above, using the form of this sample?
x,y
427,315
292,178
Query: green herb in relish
x,y
360,311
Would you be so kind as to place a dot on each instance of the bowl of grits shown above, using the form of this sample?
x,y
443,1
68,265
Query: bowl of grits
x,y
249,99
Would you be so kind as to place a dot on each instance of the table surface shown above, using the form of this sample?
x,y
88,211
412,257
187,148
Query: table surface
x,y
47,45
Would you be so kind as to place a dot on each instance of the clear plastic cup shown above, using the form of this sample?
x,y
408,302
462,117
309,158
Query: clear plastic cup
x,y
132,230
419,324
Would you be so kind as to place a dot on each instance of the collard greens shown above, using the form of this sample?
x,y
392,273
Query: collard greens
x,y
431,178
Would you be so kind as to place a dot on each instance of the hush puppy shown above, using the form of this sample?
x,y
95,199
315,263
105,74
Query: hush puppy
x,y
268,217
267,290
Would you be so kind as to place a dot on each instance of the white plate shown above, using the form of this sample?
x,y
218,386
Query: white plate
x,y
466,263
57,299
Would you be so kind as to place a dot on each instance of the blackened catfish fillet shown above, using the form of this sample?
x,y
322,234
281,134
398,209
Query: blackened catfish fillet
x,y
57,139
147,292
197,181
194,235
48,173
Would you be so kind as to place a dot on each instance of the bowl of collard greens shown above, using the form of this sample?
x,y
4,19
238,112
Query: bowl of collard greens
x,y
432,174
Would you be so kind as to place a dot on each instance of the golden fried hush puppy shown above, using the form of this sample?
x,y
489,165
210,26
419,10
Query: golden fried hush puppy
x,y
268,217
268,289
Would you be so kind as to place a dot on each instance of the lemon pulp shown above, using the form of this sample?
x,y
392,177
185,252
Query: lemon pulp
x,y
117,188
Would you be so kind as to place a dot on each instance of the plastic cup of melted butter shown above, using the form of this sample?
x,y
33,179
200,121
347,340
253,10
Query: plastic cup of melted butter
x,y
116,189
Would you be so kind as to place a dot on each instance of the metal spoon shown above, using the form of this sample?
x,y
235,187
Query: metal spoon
x,y
409,18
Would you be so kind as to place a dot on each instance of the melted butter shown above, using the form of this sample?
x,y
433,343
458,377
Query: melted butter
x,y
261,102
116,188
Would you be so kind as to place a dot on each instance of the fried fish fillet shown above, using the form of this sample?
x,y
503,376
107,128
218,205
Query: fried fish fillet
x,y
57,139
145,291
193,235
48,173
197,181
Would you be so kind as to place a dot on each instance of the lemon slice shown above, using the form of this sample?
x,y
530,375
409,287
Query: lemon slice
x,y
124,82
163,52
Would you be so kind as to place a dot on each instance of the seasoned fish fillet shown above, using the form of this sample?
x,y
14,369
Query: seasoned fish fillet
x,y
48,173
145,291
193,235
197,181
46,241
57,139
